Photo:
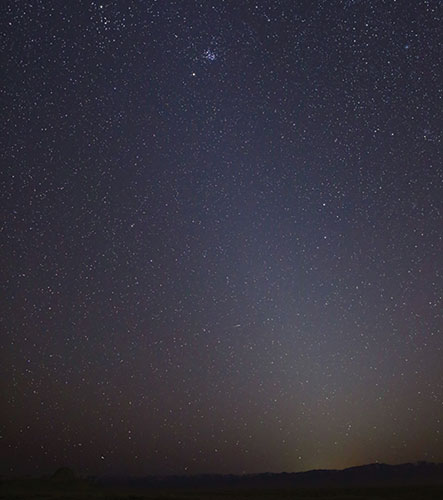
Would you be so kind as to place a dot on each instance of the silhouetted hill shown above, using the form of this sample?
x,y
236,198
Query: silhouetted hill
x,y
62,482
63,474
422,481
422,473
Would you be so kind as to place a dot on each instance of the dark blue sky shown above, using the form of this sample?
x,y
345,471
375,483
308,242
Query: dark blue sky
x,y
221,235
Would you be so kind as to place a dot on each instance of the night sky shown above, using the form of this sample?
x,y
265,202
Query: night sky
x,y
221,235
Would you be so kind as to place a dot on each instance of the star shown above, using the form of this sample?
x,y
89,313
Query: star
x,y
209,55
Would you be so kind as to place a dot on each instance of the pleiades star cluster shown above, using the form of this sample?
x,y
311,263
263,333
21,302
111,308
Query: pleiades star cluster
x,y
221,235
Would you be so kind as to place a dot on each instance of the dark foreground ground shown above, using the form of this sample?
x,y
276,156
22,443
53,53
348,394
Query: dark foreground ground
x,y
84,492
421,481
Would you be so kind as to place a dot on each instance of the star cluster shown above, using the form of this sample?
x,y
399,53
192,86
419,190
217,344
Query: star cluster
x,y
221,235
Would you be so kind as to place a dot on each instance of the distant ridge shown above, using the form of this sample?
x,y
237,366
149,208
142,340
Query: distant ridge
x,y
63,474
421,473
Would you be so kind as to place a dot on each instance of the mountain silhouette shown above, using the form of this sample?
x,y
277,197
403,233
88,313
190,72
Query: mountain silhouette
x,y
377,474
63,474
